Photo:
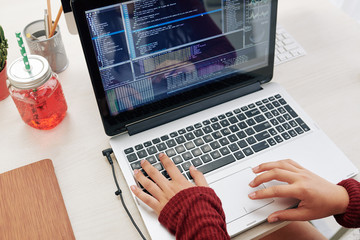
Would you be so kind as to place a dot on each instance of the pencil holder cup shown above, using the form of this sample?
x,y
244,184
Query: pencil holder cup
x,y
50,48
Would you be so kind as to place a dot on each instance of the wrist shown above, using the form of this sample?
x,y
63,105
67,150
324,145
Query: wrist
x,y
342,200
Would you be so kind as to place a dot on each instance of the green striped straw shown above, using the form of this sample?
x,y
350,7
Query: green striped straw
x,y
23,51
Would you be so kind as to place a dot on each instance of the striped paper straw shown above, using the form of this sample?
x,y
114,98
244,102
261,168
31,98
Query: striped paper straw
x,y
23,51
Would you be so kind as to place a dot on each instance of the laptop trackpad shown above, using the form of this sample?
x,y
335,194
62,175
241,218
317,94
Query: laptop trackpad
x,y
233,191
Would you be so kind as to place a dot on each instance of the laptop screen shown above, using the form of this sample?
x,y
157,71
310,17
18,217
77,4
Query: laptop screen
x,y
151,50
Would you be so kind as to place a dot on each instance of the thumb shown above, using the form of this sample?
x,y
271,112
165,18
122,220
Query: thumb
x,y
198,177
296,214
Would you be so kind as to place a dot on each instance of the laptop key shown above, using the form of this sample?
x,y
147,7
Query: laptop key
x,y
262,135
215,154
291,111
142,154
239,155
206,148
198,142
128,150
177,160
132,157
151,159
252,113
248,151
196,162
206,158
216,164
171,143
170,152
262,126
302,124
180,149
189,145
260,146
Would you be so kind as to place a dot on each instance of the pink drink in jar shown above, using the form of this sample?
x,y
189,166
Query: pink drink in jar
x,y
37,93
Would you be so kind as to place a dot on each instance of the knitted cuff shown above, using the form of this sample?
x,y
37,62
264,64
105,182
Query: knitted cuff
x,y
351,218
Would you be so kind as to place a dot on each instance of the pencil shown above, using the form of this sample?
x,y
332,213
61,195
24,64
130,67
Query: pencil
x,y
49,14
56,22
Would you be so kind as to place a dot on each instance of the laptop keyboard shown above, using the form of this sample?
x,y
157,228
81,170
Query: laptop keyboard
x,y
224,139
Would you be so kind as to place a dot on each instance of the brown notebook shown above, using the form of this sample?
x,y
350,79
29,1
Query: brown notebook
x,y
31,204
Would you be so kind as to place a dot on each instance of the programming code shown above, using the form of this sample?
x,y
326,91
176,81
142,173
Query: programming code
x,y
147,50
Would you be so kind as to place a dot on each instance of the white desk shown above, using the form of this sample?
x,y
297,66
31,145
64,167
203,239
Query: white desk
x,y
326,83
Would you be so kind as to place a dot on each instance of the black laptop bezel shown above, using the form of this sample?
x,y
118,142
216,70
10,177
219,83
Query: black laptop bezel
x,y
114,125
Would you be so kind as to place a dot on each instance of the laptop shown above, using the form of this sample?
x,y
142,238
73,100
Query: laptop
x,y
192,79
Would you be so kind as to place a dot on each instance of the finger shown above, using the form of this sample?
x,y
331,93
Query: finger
x,y
155,175
170,167
198,177
295,214
276,191
274,174
287,164
146,198
149,185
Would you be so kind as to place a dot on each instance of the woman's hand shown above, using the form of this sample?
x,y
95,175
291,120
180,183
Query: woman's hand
x,y
318,197
161,189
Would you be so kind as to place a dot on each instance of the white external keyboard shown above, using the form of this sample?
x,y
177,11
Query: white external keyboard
x,y
286,48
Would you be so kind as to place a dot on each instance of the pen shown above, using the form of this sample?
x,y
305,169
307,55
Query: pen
x,y
46,22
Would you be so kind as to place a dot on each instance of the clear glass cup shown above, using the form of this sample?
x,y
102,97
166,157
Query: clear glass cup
x,y
37,94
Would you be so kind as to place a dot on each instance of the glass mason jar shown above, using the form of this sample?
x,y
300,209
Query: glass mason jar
x,y
37,93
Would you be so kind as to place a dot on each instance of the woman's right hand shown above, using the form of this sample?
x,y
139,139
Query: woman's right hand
x,y
318,197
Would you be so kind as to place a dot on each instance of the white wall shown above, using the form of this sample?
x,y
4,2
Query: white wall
x,y
351,7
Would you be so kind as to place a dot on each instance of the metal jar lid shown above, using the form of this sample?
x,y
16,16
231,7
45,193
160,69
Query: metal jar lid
x,y
21,78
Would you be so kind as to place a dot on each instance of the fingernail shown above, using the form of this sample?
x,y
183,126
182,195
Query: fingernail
x,y
142,161
255,169
251,184
273,219
161,154
136,171
192,168
252,195
133,188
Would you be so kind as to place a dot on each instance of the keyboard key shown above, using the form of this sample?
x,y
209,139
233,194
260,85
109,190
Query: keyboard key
x,y
187,156
224,141
198,142
136,165
239,155
196,162
142,154
271,142
252,113
260,146
233,147
180,139
261,136
250,122
248,151
241,117
180,149
206,122
216,126
291,111
147,144
302,124
164,138
241,135
216,164
161,147
156,141
278,139
299,130
132,157
242,144
251,140
216,135
190,128
215,154
234,128
215,145
249,131
286,136
196,152
207,129
232,138
174,134
189,136
198,133
225,131
182,131
224,151
170,152
259,118
171,143
233,120
242,125
208,138
128,150
189,145
224,123
262,126
198,125
292,133
206,148
206,158
177,159
282,101
151,150
151,159
138,147
186,166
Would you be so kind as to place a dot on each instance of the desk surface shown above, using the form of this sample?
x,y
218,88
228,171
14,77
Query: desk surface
x,y
326,83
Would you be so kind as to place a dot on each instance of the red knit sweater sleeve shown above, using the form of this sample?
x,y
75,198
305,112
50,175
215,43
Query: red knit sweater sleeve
x,y
351,218
195,213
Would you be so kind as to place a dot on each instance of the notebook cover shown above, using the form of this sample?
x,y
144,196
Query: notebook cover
x,y
31,204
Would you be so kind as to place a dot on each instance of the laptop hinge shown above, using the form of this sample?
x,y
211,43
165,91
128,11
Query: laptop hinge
x,y
183,111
